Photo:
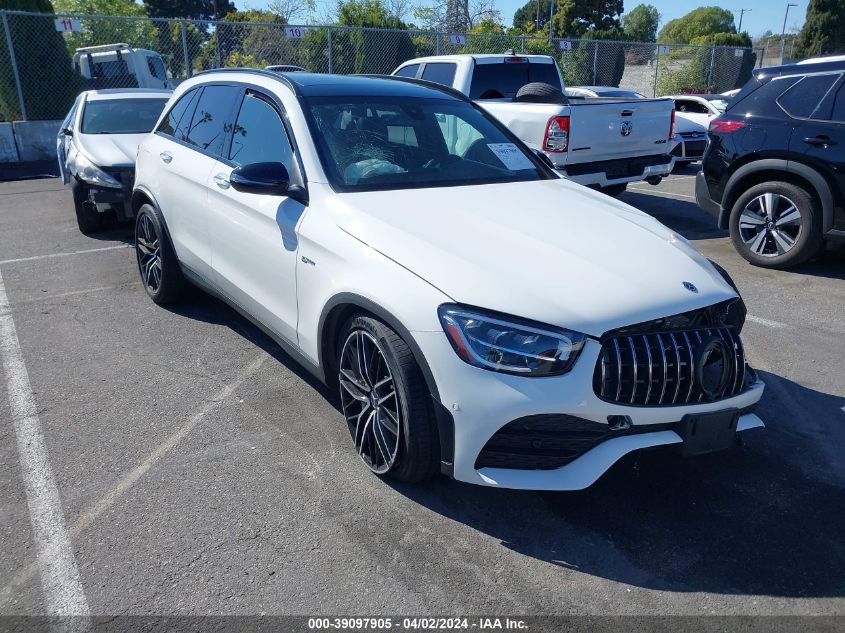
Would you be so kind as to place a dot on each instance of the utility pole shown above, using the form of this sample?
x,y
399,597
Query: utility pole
x,y
742,12
783,33
551,17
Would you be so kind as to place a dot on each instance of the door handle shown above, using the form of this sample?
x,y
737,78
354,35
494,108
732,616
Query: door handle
x,y
819,141
221,181
166,157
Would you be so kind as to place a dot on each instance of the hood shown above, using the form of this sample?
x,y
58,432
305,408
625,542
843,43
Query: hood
x,y
110,150
551,251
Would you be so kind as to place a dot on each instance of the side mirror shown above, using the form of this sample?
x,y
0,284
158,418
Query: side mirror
x,y
67,131
269,179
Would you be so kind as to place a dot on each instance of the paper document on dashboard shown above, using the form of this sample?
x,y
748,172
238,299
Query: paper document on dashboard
x,y
511,156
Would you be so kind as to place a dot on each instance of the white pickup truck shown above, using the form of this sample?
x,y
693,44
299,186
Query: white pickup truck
x,y
604,143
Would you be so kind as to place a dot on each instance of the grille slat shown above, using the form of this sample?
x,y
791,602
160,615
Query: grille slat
x,y
648,355
666,366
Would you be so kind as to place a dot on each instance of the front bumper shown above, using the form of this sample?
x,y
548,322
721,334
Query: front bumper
x,y
110,197
690,148
617,172
482,402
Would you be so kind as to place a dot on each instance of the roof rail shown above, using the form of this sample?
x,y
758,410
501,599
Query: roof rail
x,y
253,71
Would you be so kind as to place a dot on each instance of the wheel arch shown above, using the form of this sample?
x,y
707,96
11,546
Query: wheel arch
x,y
769,169
142,196
336,312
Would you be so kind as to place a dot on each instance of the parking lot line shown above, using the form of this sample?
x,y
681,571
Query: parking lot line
x,y
53,255
130,478
767,322
63,592
655,192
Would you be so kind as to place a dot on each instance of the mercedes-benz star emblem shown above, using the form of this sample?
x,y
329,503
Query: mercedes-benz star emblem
x,y
691,287
712,367
626,128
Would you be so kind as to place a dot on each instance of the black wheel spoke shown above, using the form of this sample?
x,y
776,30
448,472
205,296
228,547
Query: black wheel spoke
x,y
370,401
148,253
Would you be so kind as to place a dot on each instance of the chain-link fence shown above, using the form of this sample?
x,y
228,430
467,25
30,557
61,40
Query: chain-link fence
x,y
42,68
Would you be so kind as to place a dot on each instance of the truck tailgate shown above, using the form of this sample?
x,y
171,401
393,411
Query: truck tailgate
x,y
599,129
606,129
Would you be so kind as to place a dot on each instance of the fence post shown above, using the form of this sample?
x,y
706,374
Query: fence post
x,y
217,44
656,66
329,42
595,61
523,44
436,43
14,65
712,61
188,69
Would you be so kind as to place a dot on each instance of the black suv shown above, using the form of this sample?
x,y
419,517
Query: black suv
x,y
774,171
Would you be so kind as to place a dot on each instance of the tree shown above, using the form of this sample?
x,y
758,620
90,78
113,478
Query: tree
x,y
292,11
533,16
137,33
48,81
457,16
709,65
700,22
824,30
640,23
574,18
193,9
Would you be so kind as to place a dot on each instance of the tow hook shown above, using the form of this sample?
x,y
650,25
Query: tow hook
x,y
654,180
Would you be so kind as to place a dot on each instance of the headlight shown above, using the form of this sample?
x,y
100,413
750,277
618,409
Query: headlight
x,y
509,345
90,173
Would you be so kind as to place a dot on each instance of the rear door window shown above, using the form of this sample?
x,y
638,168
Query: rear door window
x,y
408,71
440,73
803,99
208,128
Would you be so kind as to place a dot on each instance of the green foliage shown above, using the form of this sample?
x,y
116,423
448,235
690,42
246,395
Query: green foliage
x,y
575,18
531,12
236,41
48,81
194,9
698,23
640,23
707,66
824,30
95,32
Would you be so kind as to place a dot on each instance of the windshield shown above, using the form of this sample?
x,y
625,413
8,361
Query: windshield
x,y
370,143
121,116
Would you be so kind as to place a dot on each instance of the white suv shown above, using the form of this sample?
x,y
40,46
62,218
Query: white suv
x,y
479,315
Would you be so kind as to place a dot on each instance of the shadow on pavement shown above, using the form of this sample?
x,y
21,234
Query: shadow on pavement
x,y
748,521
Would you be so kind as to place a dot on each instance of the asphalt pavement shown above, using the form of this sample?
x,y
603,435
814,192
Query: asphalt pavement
x,y
199,471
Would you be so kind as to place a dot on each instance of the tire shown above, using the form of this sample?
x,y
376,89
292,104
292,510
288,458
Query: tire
x,y
394,436
539,92
88,218
776,225
157,263
614,190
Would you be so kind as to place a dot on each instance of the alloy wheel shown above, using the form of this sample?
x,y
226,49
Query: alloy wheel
x,y
370,402
148,249
770,225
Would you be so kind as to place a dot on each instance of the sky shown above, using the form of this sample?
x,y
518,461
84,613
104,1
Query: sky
x,y
764,15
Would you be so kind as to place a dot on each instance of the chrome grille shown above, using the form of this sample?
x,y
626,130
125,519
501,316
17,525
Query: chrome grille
x,y
657,369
